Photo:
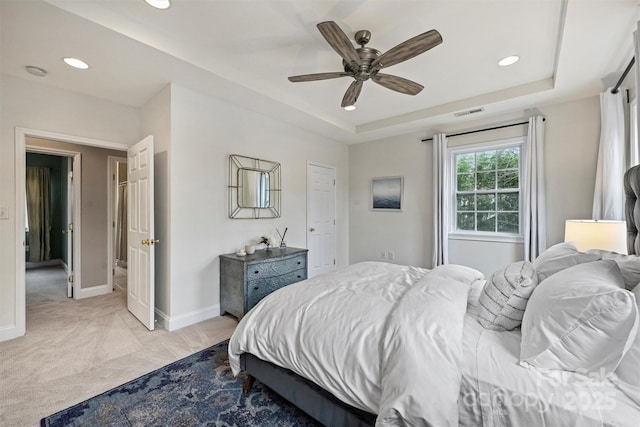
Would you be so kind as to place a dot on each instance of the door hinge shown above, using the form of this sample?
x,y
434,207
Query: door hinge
x,y
113,271
70,226
70,279
334,261
114,176
114,224
334,222
334,182
71,174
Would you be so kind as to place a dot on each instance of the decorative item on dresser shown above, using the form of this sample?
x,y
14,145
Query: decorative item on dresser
x,y
245,280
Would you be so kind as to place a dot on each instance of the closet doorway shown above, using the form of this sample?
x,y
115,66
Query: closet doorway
x,y
118,198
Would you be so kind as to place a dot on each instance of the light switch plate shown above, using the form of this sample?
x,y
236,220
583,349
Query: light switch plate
x,y
4,212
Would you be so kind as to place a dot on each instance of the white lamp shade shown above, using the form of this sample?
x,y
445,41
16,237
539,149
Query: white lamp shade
x,y
592,234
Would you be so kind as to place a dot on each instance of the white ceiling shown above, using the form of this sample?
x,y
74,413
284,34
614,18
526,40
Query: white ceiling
x,y
244,50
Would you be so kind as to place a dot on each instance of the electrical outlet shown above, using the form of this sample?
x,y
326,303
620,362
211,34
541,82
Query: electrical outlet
x,y
391,255
383,254
4,212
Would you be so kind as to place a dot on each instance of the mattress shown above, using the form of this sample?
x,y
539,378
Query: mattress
x,y
497,391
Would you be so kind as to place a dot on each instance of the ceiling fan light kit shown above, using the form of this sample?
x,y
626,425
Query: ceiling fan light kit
x,y
365,63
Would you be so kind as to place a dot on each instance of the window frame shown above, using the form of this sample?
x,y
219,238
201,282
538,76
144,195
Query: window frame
x,y
491,236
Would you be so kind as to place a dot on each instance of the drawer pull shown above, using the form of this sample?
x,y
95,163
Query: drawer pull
x,y
299,262
299,276
255,288
256,272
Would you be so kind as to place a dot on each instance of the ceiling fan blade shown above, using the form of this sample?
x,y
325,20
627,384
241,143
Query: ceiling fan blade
x,y
339,42
317,76
408,49
398,84
352,93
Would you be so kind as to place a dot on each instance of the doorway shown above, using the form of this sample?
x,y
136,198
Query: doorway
x,y
118,208
82,242
50,215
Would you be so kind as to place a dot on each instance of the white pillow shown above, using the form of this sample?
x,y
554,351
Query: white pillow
x,y
629,265
560,257
579,320
627,376
555,251
504,297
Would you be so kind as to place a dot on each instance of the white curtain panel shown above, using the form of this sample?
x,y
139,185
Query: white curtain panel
x,y
38,184
608,196
535,227
440,201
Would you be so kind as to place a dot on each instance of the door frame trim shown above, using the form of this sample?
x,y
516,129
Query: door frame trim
x,y
335,205
21,134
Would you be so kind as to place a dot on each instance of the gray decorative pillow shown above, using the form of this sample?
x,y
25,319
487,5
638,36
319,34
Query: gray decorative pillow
x,y
560,257
504,297
629,266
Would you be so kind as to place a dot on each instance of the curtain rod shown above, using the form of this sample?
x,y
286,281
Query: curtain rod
x,y
624,75
482,130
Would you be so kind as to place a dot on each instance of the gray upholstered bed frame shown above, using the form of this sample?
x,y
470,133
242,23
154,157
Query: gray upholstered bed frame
x,y
632,209
304,394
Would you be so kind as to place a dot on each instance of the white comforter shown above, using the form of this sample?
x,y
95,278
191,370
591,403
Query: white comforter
x,y
381,337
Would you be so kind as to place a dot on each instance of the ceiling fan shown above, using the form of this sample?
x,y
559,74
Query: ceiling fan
x,y
365,63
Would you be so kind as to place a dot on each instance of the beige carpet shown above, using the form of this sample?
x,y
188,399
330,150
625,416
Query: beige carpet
x,y
76,349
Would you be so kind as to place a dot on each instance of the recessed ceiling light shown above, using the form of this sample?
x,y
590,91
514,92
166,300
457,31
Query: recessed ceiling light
x,y
36,71
349,107
76,63
508,60
159,4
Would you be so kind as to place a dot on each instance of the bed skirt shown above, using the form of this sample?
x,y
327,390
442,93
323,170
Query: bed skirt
x,y
304,394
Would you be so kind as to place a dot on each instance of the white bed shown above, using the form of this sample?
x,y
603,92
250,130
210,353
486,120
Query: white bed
x,y
423,360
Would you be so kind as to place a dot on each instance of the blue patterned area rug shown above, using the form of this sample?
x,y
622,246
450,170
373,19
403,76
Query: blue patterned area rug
x,y
198,390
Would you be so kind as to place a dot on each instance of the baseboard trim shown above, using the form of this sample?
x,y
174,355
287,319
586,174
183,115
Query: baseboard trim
x,y
9,332
172,323
94,291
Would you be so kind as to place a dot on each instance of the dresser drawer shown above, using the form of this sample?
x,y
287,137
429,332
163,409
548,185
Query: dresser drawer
x,y
276,268
260,288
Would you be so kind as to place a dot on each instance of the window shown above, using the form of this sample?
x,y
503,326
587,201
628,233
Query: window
x,y
486,188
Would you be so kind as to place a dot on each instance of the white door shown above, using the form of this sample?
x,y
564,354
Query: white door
x,y
140,237
69,230
321,218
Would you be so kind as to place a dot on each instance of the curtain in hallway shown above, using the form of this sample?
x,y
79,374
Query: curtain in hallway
x,y
440,201
38,186
121,224
608,196
535,226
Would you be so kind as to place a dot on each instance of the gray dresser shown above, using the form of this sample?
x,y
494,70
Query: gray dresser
x,y
245,280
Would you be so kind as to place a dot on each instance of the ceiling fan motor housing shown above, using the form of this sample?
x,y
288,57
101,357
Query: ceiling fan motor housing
x,y
367,56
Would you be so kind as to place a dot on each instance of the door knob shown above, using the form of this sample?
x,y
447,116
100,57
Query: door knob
x,y
311,229
150,241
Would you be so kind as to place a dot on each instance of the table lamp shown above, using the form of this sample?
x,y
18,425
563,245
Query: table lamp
x,y
596,234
